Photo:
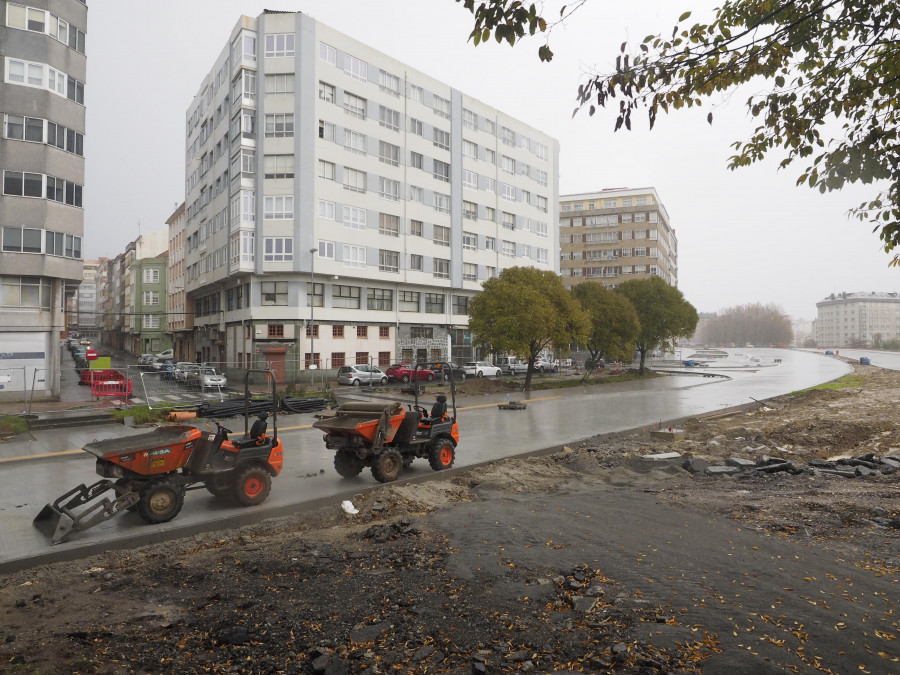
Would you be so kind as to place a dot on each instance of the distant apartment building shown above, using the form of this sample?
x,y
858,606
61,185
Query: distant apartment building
x,y
857,319
344,207
86,320
42,91
615,235
179,307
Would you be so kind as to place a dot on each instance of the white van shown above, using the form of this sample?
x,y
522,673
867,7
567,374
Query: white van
x,y
511,365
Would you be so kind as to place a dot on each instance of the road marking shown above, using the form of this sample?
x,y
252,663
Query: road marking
x,y
43,455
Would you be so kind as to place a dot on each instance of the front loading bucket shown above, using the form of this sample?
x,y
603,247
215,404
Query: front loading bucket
x,y
57,520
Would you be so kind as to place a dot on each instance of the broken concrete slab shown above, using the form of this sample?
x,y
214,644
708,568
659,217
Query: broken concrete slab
x,y
662,456
775,468
740,462
695,465
721,470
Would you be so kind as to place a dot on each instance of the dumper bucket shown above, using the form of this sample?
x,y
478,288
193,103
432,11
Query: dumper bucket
x,y
58,520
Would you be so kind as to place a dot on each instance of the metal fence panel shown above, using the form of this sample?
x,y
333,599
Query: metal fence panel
x,y
157,389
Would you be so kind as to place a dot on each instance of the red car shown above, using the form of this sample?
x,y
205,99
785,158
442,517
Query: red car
x,y
404,372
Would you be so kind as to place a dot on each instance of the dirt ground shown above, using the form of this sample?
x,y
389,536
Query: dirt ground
x,y
589,560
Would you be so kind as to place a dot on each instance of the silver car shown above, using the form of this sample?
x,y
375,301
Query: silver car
x,y
361,373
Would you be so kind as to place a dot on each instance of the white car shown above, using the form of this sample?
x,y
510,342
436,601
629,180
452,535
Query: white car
x,y
481,369
180,372
541,366
208,378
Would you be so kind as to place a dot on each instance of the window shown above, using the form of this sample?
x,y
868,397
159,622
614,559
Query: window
x,y
421,333
389,224
408,301
24,293
470,210
441,235
389,189
280,125
384,332
326,130
354,180
279,44
355,141
337,332
441,171
274,293
508,192
415,262
441,138
278,166
354,256
507,136
470,241
434,303
470,179
490,244
151,276
509,249
380,299
541,203
355,105
416,127
389,118
275,330
278,249
441,202
326,92
470,272
327,53
311,331
278,208
326,250
460,304
415,228
150,321
151,297
28,240
280,86
388,82
509,221
507,164
362,332
441,106
355,68
490,155
470,119
470,149
345,297
354,218
626,201
415,160
389,153
416,194
441,268
416,93
326,209
388,261
490,214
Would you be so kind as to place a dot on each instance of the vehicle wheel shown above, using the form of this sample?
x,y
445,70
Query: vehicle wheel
x,y
217,491
442,455
355,383
541,370
479,374
387,467
407,461
252,485
383,381
160,501
405,379
347,465
429,377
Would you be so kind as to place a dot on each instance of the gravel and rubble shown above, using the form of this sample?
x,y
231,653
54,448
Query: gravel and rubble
x,y
594,559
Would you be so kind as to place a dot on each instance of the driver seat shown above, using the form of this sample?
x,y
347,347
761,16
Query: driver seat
x,y
257,434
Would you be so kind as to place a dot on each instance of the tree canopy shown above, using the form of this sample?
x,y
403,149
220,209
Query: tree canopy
x,y
756,324
663,312
614,324
831,96
525,311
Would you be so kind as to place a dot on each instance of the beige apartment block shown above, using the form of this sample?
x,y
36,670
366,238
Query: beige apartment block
x,y
615,235
863,319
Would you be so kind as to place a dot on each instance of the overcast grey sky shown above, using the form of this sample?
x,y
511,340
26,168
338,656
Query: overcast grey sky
x,y
745,236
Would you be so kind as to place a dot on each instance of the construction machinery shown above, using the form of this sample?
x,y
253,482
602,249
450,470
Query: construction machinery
x,y
150,472
387,437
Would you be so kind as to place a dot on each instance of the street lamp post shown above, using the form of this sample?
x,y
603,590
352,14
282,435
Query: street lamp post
x,y
312,304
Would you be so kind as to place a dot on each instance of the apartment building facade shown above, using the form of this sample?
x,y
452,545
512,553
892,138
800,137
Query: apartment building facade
x,y
180,307
344,207
42,164
615,235
861,319
86,322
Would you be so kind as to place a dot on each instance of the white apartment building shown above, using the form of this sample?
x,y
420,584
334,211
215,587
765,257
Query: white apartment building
x,y
857,319
614,235
344,207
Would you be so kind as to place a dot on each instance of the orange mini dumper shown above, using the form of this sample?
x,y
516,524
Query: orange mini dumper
x,y
150,473
388,438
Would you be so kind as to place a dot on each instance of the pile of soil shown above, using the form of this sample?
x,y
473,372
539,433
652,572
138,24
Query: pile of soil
x,y
593,559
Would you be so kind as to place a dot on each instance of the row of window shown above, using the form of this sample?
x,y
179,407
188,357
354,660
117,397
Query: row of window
x,y
613,271
357,69
42,76
25,293
610,220
608,237
610,254
38,130
25,184
606,203
42,21
33,240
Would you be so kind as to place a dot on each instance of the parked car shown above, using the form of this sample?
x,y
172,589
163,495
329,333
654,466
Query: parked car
x,y
144,359
445,368
206,377
511,365
180,371
541,366
158,364
167,354
361,373
481,369
404,372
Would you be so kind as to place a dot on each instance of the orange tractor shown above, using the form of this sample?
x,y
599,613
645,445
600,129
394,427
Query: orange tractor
x,y
150,472
388,438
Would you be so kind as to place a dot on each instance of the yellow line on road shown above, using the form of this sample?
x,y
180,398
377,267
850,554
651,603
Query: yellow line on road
x,y
43,455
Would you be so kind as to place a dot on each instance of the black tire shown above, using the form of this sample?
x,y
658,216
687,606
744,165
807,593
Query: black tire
x,y
405,379
347,465
387,466
356,383
541,370
441,455
161,500
407,461
383,381
252,485
429,377
479,374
